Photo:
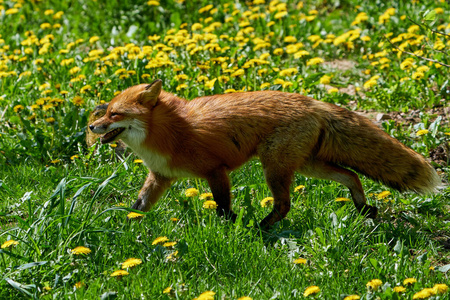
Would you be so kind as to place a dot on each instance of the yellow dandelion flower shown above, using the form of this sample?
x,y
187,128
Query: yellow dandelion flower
x,y
38,61
9,244
206,8
182,86
45,26
300,261
370,83
181,77
352,297
299,188
312,290
134,215
131,262
196,26
399,289
280,14
153,3
238,73
119,273
422,132
417,75
24,74
210,204
278,51
79,285
267,201
172,256
78,101
44,86
74,70
174,219
424,294
264,85
169,244
50,120
423,69
325,79
18,108
333,91
288,72
94,39
85,88
374,284
47,288
342,199
383,195
167,290
80,250
314,61
58,15
191,192
138,161
55,161
245,298
11,11
209,295
409,281
206,196
160,240
290,39
440,288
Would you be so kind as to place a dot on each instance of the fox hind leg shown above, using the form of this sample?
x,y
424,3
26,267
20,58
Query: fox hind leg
x,y
329,171
220,187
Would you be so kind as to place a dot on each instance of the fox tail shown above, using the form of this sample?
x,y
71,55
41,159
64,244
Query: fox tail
x,y
354,141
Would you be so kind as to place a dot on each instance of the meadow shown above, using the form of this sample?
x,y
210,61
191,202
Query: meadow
x,y
64,206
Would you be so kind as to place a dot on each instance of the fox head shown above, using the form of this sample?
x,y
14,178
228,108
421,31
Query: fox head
x,y
127,114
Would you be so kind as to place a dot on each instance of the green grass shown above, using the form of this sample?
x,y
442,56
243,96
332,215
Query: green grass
x,y
53,201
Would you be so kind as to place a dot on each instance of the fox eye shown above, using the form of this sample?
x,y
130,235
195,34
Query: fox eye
x,y
114,114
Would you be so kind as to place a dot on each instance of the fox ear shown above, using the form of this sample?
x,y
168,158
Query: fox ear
x,y
151,93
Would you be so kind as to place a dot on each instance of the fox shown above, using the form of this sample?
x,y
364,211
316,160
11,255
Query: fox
x,y
91,138
210,136
98,112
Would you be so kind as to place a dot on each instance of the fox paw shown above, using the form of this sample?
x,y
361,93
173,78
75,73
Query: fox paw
x,y
139,205
369,211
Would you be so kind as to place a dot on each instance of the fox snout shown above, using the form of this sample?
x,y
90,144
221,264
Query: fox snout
x,y
97,129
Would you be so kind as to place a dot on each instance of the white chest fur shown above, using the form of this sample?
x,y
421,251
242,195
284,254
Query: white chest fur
x,y
158,163
154,161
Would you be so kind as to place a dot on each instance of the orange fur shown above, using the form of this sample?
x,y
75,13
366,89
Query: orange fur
x,y
209,136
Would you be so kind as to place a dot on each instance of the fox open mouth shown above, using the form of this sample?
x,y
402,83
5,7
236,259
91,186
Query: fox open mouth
x,y
111,135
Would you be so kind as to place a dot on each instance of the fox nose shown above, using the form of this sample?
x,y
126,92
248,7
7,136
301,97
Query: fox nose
x,y
91,127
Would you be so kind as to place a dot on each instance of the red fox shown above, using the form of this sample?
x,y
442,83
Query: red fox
x,y
91,138
98,112
209,136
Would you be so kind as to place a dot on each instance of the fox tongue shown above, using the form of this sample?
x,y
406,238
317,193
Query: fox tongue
x,y
111,135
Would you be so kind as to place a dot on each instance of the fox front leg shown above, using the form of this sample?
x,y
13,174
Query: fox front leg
x,y
155,185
